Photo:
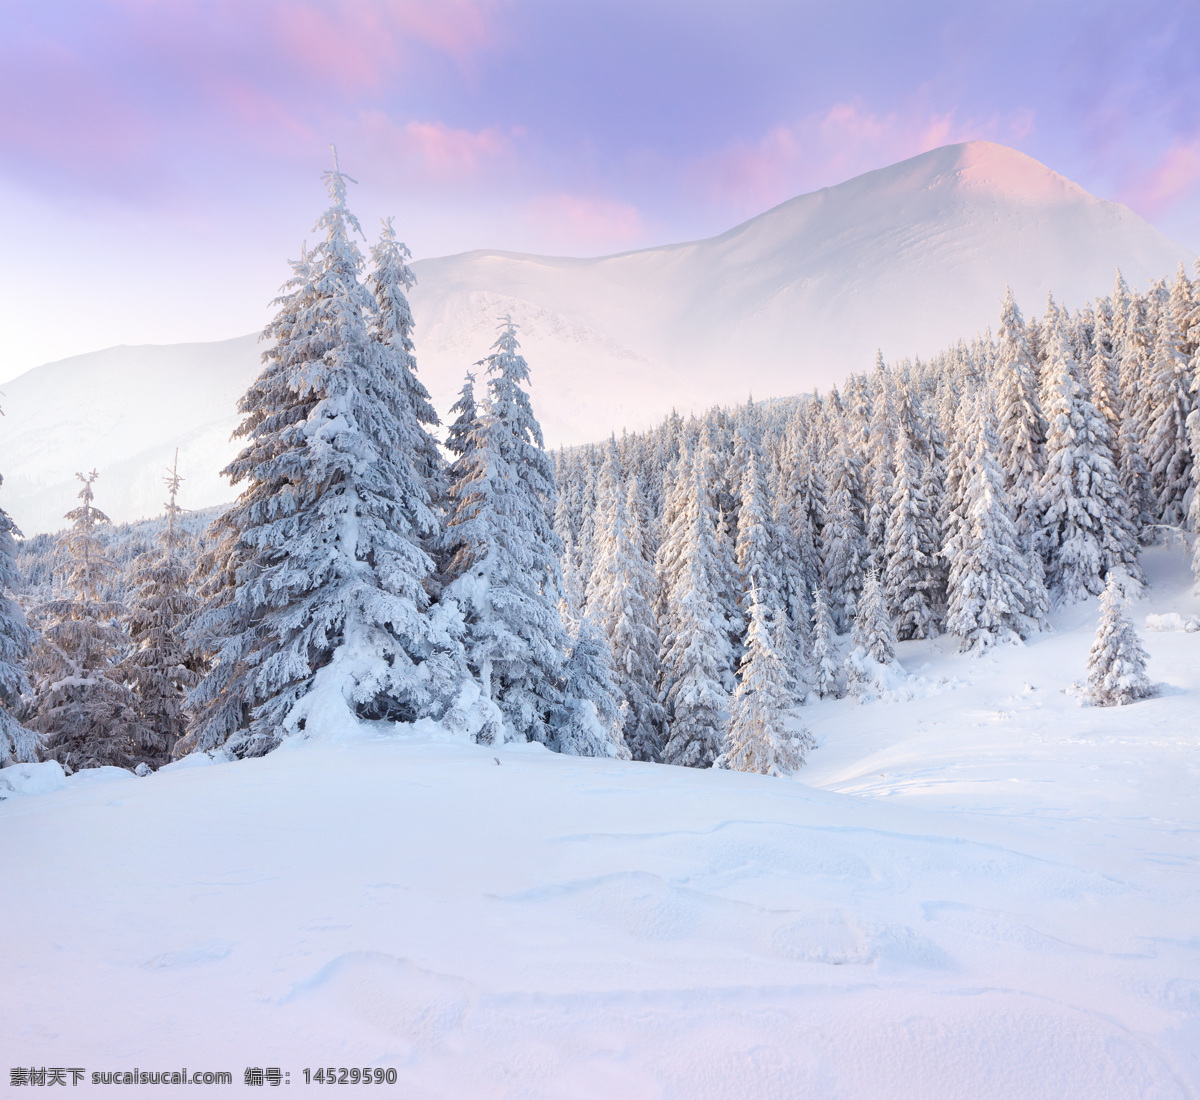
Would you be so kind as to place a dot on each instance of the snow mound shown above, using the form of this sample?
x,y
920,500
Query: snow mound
x,y
1172,621
22,779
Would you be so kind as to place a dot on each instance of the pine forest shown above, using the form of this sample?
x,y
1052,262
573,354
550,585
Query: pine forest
x,y
675,595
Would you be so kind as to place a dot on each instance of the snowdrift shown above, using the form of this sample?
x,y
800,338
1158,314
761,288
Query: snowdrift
x,y
982,890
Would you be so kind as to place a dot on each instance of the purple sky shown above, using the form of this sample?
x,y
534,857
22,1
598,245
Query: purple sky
x,y
160,158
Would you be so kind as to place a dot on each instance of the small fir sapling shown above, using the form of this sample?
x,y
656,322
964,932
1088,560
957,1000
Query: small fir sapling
x,y
1117,661
871,665
763,736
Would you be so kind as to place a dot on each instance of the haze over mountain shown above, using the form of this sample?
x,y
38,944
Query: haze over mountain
x,y
905,259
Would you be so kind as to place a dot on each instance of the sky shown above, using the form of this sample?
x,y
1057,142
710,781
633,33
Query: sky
x,y
161,159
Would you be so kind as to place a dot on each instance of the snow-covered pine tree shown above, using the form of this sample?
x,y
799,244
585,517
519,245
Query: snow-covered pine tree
x,y
17,744
764,736
1103,370
509,593
621,602
724,501
1131,343
572,603
1168,452
803,509
592,718
1085,525
1193,427
161,667
391,324
872,664
824,659
466,419
844,536
881,473
697,659
761,556
1022,427
1117,661
992,596
669,560
910,579
317,610
84,710
463,536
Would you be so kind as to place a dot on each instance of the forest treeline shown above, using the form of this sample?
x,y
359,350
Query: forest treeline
x,y
673,595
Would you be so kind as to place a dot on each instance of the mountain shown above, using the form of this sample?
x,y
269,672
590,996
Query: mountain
x,y
122,411
905,259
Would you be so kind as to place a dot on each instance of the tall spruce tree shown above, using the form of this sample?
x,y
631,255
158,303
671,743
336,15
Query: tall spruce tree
x,y
1168,452
391,325
84,710
317,606
1085,525
992,595
17,744
824,657
844,536
910,577
592,720
161,667
1022,427
621,602
697,657
762,555
510,588
1132,341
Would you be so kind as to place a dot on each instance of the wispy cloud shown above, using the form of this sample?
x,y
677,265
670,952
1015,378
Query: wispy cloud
x,y
117,97
585,222
1174,179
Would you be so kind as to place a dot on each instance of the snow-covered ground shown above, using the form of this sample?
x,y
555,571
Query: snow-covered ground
x,y
983,891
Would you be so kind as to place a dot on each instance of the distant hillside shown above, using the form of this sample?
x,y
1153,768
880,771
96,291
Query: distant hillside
x,y
904,259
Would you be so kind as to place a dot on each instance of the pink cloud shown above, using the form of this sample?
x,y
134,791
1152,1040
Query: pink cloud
x,y
126,94
431,151
456,153
574,221
1174,178
358,45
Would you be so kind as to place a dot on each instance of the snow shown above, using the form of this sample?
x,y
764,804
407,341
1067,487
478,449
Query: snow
x,y
906,259
31,779
989,891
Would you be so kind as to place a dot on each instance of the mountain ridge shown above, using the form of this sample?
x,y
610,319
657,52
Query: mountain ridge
x,y
906,258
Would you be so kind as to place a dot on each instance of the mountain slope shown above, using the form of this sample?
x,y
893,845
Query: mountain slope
x,y
122,411
906,259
